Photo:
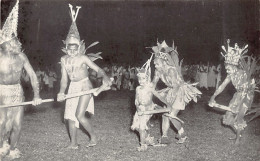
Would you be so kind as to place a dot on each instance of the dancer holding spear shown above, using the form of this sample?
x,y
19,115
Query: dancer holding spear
x,y
177,94
12,62
74,67
239,68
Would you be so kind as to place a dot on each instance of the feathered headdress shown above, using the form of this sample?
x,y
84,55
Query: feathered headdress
x,y
233,54
9,29
162,50
169,54
145,70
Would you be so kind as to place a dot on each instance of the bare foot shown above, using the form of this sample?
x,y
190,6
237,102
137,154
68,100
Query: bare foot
x,y
182,140
14,154
72,146
5,149
142,148
93,140
91,145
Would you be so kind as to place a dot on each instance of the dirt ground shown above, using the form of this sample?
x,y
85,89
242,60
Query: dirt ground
x,y
44,134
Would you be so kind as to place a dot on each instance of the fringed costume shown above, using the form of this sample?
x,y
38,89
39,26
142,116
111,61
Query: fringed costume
x,y
11,94
241,101
239,69
143,102
178,93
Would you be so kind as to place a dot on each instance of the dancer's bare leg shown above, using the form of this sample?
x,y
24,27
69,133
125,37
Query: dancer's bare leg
x,y
73,135
85,122
3,151
17,126
165,128
2,126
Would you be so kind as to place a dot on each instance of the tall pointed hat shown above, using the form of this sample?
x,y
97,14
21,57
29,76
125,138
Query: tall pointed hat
x,y
9,29
73,35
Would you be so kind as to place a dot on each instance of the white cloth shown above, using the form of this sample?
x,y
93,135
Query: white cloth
x,y
203,77
218,76
72,103
212,76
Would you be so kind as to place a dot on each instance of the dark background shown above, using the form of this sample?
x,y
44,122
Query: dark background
x,y
125,28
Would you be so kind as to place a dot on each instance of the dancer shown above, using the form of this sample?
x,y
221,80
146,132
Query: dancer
x,y
12,63
177,94
239,70
74,66
143,102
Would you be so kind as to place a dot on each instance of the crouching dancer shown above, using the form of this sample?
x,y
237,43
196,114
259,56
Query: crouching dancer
x,y
74,66
12,62
239,73
177,94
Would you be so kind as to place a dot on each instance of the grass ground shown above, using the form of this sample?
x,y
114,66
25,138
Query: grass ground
x,y
44,134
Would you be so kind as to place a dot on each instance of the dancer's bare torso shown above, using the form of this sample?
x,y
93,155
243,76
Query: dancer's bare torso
x,y
76,67
144,96
11,66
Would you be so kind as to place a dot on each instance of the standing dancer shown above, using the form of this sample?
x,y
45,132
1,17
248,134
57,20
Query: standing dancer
x,y
12,63
239,71
75,66
178,93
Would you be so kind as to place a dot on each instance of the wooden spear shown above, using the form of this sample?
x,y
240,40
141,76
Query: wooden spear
x,y
24,103
95,91
222,107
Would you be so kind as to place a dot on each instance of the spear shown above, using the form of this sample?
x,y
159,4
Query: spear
x,y
24,103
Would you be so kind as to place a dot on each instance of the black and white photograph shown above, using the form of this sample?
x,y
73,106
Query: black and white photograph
x,y
130,80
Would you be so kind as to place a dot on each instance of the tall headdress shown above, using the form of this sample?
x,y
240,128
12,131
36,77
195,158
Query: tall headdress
x,y
162,50
145,70
233,54
73,35
169,54
9,29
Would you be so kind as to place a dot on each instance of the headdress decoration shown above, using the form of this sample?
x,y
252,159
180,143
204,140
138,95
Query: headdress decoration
x,y
145,70
162,50
169,54
233,54
73,37
9,29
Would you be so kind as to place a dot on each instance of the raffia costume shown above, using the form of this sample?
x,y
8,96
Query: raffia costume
x,y
241,101
178,93
10,94
243,83
140,121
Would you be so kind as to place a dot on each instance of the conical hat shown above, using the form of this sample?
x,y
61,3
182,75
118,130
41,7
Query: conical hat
x,y
73,35
9,29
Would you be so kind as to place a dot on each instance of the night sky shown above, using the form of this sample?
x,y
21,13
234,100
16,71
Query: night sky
x,y
125,28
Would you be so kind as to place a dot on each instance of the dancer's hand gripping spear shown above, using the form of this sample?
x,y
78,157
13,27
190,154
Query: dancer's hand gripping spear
x,y
160,109
34,102
222,107
95,91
